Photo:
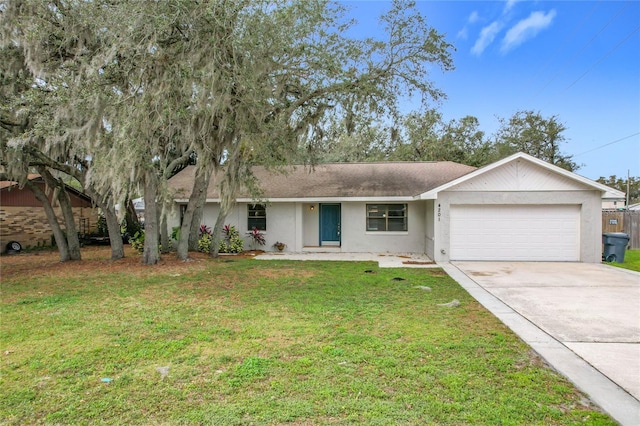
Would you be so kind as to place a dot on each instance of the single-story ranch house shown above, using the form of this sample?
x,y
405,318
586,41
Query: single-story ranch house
x,y
519,208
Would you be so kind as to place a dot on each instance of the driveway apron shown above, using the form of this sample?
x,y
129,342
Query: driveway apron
x,y
592,310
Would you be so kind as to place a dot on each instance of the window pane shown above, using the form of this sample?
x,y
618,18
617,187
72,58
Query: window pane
x,y
258,223
396,207
397,224
257,217
376,224
386,217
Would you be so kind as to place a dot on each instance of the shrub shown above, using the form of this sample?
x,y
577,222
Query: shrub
x,y
175,233
137,241
102,225
257,238
232,243
204,243
204,230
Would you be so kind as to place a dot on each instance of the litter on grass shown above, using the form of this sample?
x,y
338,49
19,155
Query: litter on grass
x,y
453,304
164,372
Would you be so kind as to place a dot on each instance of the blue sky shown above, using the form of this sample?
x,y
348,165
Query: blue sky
x,y
577,60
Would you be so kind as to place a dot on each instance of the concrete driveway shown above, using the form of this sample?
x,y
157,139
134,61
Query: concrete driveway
x,y
591,309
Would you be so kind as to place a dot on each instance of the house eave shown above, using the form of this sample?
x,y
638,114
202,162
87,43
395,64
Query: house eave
x,y
607,192
313,199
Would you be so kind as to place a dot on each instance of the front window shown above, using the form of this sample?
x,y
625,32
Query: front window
x,y
257,217
386,217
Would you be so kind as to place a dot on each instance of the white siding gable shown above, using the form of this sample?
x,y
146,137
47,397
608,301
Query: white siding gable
x,y
520,176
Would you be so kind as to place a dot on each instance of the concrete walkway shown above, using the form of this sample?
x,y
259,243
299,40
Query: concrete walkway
x,y
583,319
385,260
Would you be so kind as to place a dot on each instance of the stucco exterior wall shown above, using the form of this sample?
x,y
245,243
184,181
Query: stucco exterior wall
x,y
430,230
310,224
282,223
297,225
590,215
355,237
29,225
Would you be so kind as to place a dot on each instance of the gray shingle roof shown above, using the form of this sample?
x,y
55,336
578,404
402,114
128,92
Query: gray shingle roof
x,y
340,180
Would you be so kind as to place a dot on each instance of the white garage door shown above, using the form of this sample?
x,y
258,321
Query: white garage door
x,y
515,232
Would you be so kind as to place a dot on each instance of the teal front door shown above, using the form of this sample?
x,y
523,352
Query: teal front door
x,y
329,224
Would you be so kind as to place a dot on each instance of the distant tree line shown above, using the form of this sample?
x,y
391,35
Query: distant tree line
x,y
630,185
426,137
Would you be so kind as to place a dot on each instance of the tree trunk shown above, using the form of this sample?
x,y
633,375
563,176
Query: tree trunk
x,y
115,233
73,242
58,234
194,232
150,255
216,234
113,226
70,224
131,219
191,219
229,186
165,242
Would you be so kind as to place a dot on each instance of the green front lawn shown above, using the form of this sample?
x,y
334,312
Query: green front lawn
x,y
631,261
239,341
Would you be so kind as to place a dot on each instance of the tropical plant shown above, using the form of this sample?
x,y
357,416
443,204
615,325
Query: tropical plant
x,y
137,241
204,230
231,243
257,237
204,238
204,243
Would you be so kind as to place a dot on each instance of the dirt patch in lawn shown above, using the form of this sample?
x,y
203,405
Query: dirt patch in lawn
x,y
47,263
285,272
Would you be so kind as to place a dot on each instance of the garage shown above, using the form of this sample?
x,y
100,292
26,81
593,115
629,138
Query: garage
x,y
515,232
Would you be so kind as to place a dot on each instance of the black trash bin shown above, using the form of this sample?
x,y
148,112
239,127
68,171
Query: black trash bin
x,y
615,244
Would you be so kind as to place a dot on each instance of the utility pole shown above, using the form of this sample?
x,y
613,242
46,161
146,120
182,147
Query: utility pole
x,y
628,188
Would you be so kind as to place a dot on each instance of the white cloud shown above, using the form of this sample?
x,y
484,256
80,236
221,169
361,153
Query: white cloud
x,y
472,19
487,35
526,29
509,5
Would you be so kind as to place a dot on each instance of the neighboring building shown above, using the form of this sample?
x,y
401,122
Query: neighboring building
x,y
138,206
634,207
22,216
613,204
519,208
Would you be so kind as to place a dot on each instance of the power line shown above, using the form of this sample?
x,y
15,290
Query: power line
x,y
566,41
603,58
584,47
607,144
